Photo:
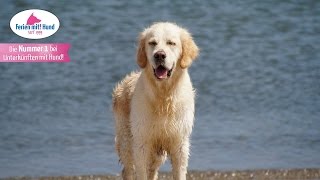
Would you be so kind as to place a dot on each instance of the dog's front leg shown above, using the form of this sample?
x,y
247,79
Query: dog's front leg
x,y
179,160
140,152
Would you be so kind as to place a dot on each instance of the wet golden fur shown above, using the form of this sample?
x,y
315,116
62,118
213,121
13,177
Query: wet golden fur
x,y
154,118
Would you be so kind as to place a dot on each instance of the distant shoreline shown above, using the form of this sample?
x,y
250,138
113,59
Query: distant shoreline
x,y
272,174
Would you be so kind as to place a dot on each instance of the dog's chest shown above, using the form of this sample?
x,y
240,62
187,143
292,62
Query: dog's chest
x,y
163,108
163,131
166,121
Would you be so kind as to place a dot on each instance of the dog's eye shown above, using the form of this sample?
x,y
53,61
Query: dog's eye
x,y
171,43
152,43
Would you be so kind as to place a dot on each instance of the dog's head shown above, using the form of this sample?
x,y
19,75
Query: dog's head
x,y
164,47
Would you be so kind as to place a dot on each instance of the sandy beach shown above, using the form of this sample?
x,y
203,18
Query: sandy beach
x,y
283,174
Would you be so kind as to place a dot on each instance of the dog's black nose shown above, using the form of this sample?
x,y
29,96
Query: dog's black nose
x,y
160,55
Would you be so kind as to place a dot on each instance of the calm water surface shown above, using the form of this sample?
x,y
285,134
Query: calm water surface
x,y
257,81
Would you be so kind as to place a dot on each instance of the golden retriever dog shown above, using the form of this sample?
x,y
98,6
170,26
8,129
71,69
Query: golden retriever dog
x,y
154,108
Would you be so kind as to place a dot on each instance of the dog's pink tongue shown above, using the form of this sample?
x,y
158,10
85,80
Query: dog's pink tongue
x,y
161,72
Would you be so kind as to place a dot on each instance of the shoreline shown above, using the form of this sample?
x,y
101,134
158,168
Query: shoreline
x,y
285,174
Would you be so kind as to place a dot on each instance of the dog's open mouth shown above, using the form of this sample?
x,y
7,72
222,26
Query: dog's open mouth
x,y
162,72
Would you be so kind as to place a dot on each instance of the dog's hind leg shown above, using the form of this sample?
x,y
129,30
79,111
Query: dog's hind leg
x,y
124,149
127,161
155,161
123,145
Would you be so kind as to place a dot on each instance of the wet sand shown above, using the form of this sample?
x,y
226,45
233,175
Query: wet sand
x,y
275,174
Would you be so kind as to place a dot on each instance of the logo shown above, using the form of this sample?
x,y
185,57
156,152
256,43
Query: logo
x,y
34,24
32,20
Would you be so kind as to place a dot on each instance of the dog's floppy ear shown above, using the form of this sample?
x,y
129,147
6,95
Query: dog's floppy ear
x,y
141,52
189,49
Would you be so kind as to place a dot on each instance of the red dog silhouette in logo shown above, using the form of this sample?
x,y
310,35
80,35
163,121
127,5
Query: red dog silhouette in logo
x,y
32,20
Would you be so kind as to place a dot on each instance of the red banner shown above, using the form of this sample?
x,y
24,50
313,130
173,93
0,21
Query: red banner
x,y
29,52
